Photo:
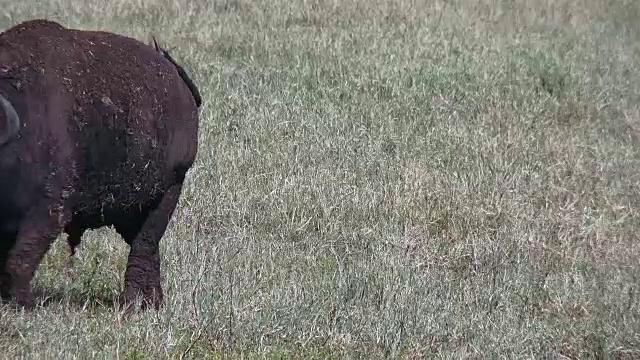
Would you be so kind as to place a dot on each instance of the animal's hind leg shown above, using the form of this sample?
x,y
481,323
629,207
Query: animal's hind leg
x,y
130,226
74,236
37,231
142,277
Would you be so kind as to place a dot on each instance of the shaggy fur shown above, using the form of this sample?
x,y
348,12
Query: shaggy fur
x,y
108,131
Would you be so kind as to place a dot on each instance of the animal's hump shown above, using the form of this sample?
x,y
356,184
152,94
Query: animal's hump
x,y
38,24
37,27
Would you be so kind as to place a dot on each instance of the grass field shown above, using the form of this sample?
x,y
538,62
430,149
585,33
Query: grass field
x,y
377,178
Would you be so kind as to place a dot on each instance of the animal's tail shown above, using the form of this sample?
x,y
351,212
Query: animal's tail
x,y
183,74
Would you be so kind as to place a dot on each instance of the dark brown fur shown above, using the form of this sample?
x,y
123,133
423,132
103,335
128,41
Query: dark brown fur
x,y
108,132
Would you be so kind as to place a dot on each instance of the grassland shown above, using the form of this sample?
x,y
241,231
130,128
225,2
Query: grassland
x,y
381,178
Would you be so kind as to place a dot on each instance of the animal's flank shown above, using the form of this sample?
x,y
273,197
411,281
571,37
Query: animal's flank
x,y
183,74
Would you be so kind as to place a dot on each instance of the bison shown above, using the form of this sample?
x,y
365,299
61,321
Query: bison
x,y
96,129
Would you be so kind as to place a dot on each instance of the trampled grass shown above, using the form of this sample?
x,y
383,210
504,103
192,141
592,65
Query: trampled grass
x,y
377,179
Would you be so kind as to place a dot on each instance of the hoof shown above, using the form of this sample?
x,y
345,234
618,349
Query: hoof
x,y
22,301
20,297
149,300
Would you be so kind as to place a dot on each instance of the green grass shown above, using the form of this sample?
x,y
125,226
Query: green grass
x,y
377,179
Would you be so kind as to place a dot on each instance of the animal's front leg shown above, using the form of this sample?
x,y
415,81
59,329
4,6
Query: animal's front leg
x,y
7,239
37,231
142,277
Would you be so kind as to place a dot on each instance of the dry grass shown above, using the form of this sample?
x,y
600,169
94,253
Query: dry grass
x,y
378,178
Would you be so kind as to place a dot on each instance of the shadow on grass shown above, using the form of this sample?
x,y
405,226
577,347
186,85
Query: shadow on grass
x,y
75,298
